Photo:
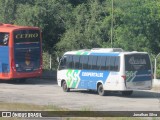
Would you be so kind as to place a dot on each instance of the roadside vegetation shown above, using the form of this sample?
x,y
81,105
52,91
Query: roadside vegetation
x,y
80,24
31,107
28,107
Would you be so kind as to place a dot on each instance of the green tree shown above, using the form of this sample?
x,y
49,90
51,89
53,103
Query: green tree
x,y
88,27
84,24
49,16
7,11
137,26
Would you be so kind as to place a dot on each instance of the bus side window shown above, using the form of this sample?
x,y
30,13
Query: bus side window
x,y
85,62
112,62
69,62
63,63
80,62
107,63
90,62
76,59
117,64
94,63
99,58
103,63
4,37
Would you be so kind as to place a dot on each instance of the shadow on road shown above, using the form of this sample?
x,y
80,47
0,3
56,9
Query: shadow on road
x,y
136,94
146,94
33,81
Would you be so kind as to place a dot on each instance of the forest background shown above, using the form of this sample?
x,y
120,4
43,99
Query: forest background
x,y
85,24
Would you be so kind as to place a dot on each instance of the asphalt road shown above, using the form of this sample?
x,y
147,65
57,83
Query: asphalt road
x,y
46,92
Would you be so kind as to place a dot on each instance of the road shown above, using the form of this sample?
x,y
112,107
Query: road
x,y
46,92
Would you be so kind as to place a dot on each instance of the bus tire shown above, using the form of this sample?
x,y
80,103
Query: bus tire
x,y
127,93
21,81
64,86
18,81
101,91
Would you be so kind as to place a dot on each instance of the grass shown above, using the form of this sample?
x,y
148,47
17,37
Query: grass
x,y
108,118
28,107
32,107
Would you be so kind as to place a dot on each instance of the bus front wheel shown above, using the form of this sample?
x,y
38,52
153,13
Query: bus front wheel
x,y
101,90
64,86
19,81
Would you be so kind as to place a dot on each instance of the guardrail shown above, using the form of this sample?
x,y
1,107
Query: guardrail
x,y
49,75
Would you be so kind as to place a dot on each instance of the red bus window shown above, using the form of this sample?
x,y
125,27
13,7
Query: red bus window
x,y
4,38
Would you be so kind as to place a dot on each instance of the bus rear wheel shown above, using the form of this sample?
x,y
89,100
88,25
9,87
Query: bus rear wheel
x,y
64,86
101,90
127,93
19,81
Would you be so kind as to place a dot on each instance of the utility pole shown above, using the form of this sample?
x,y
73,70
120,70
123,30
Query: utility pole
x,y
50,61
112,27
155,66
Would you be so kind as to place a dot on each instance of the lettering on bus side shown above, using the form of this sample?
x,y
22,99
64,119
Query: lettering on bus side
x,y
92,74
22,36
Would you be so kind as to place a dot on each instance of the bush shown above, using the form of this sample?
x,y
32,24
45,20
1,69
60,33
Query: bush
x,y
46,61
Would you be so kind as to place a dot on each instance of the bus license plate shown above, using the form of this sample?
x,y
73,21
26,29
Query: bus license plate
x,y
139,83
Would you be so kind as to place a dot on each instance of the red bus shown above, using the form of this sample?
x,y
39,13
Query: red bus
x,y
20,52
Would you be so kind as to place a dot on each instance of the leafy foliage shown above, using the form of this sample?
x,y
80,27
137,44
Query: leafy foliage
x,y
80,24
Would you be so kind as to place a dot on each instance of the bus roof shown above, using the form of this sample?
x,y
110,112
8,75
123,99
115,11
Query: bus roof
x,y
10,27
103,51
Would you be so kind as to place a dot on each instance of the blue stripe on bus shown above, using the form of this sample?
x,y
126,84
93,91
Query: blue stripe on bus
x,y
4,59
89,78
27,45
105,54
143,75
144,78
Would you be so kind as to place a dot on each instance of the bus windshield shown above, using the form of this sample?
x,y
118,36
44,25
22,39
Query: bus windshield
x,y
4,38
137,62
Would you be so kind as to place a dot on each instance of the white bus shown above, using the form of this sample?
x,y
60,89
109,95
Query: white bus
x,y
105,69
